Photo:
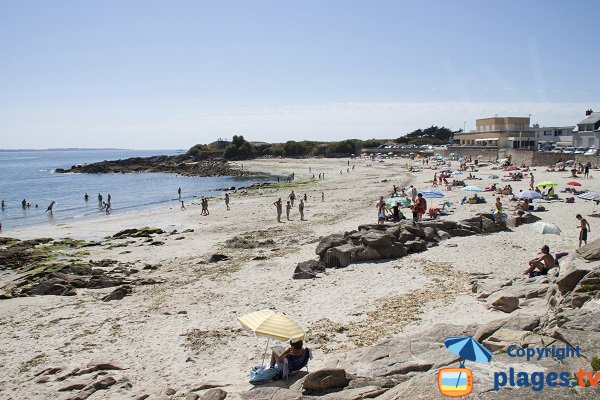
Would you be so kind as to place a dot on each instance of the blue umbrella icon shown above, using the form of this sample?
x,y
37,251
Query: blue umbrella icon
x,y
467,348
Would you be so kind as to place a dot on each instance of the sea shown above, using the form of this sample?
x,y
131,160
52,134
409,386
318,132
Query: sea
x,y
29,175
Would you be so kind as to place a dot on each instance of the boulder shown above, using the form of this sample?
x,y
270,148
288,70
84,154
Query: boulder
x,y
325,379
460,232
489,226
406,236
395,230
337,239
395,250
53,286
590,251
367,253
377,239
415,230
443,235
504,303
214,394
308,269
415,246
378,227
340,256
447,225
118,293
429,233
217,257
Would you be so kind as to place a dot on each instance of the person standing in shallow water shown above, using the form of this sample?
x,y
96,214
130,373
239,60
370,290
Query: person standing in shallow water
x,y
279,208
301,209
179,192
51,207
86,197
99,200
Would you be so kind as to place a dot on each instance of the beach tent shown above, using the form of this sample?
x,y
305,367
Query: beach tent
x,y
545,228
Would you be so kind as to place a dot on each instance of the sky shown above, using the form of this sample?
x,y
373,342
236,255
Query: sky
x,y
169,74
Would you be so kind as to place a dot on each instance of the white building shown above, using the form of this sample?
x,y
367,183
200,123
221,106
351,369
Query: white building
x,y
559,136
587,132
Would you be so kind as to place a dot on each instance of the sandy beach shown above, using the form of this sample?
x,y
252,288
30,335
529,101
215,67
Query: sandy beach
x,y
182,332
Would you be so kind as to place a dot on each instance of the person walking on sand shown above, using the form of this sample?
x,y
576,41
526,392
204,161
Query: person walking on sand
x,y
292,197
227,201
380,211
421,206
413,193
301,209
51,207
531,180
288,208
182,206
305,198
584,227
279,208
322,197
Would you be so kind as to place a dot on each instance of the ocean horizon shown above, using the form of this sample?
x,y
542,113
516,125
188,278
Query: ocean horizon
x,y
29,175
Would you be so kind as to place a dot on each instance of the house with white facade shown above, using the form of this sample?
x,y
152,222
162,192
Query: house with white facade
x,y
587,132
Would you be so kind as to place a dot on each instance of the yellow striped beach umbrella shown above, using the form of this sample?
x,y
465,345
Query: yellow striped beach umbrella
x,y
271,324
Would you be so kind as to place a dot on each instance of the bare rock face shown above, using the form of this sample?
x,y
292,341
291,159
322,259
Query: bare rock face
x,y
325,379
590,251
572,271
340,256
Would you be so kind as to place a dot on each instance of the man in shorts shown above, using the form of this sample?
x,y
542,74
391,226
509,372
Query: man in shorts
x,y
584,227
544,262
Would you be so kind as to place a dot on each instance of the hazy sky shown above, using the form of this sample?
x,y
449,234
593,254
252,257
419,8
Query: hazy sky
x,y
169,74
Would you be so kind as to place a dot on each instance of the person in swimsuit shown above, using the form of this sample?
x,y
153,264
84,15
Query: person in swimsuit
x,y
279,207
544,262
380,211
584,229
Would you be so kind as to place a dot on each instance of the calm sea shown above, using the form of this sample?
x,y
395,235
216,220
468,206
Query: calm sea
x,y
29,175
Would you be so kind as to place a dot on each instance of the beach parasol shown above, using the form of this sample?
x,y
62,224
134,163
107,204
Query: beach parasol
x,y
546,183
528,194
472,188
573,183
272,325
513,168
432,194
404,201
468,348
545,228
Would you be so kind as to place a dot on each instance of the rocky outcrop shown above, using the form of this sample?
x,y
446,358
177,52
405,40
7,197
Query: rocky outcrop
x,y
308,269
179,164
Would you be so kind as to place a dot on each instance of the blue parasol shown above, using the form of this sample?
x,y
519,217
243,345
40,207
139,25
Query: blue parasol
x,y
528,194
468,348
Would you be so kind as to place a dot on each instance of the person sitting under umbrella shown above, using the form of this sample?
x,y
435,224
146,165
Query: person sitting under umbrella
x,y
544,262
291,360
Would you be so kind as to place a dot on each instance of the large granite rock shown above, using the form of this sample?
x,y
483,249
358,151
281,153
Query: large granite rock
x,y
377,239
337,239
590,251
325,379
340,256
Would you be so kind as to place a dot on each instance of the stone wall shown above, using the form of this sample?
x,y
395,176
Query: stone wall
x,y
536,158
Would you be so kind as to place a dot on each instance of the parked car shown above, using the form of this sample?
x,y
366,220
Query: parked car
x,y
547,148
556,150
591,152
580,150
569,150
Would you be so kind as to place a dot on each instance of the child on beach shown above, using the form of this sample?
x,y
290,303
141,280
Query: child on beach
x,y
584,227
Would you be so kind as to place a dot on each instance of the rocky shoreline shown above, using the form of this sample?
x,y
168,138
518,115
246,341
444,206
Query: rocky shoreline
x,y
179,164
